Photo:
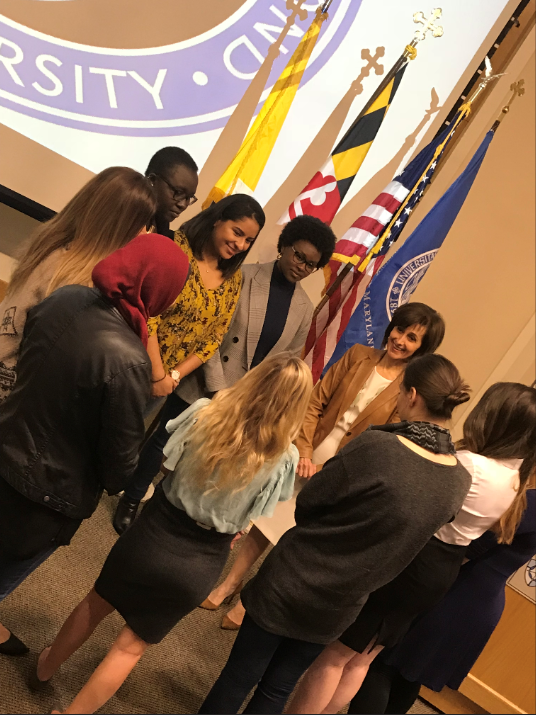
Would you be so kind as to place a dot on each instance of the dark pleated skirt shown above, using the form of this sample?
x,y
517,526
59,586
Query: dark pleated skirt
x,y
389,612
162,568
443,644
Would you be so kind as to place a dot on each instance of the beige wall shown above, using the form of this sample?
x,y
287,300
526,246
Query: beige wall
x,y
15,228
483,279
50,179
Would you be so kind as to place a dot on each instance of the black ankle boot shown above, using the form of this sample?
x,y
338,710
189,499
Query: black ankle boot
x,y
125,514
13,646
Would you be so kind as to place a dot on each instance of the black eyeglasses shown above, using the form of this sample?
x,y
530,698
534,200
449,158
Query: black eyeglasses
x,y
301,260
179,195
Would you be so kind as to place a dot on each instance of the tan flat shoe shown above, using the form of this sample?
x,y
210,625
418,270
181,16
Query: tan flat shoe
x,y
228,624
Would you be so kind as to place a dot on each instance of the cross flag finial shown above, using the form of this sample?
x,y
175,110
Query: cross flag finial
x,y
428,25
518,88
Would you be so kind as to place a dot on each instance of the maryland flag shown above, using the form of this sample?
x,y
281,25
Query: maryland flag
x,y
243,173
325,192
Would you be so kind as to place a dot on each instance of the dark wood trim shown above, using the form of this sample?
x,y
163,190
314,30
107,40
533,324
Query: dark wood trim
x,y
501,52
25,205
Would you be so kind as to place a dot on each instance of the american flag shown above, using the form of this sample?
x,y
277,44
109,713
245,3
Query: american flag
x,y
366,243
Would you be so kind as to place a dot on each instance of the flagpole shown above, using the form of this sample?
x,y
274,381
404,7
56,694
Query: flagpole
x,y
518,90
363,261
410,53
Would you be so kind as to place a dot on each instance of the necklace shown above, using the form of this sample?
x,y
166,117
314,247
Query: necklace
x,y
206,267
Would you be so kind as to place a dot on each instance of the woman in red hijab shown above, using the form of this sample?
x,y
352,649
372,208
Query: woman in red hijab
x,y
73,423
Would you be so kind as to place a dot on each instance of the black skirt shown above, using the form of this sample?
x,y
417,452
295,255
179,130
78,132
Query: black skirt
x,y
162,568
389,612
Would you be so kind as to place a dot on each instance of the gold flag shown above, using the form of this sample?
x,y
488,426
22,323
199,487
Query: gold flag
x,y
243,173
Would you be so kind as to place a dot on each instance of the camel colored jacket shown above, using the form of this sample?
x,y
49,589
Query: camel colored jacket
x,y
334,394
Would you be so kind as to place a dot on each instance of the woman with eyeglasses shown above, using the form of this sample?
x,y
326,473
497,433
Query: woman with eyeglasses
x,y
274,312
361,389
173,174
216,242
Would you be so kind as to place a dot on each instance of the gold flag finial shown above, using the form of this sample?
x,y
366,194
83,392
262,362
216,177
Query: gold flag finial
x,y
428,25
518,90
485,78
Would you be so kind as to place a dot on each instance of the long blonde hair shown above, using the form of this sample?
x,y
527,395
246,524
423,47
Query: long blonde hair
x,y
249,424
503,426
107,213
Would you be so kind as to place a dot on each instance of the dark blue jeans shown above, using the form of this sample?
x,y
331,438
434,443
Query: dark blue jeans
x,y
272,663
14,571
151,455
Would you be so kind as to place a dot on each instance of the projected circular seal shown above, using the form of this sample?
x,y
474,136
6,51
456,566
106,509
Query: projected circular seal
x,y
530,573
406,280
190,86
124,24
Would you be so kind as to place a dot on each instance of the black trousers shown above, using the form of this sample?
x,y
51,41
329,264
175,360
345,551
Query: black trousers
x,y
151,455
272,663
384,691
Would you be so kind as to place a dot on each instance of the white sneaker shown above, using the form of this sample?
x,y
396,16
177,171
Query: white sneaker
x,y
149,493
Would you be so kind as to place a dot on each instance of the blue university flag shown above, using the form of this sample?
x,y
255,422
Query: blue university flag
x,y
396,281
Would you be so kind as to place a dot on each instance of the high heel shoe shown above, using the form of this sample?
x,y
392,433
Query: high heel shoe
x,y
208,605
227,624
13,646
34,683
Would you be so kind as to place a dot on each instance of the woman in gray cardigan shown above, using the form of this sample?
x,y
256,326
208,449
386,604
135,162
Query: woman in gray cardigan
x,y
358,525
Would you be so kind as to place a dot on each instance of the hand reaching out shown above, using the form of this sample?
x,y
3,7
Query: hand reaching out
x,y
305,468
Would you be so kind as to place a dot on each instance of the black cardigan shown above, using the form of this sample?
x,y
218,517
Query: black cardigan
x,y
359,522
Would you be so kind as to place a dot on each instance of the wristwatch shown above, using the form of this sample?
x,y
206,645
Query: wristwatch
x,y
176,376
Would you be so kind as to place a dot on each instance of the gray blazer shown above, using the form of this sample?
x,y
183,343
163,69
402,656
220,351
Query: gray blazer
x,y
234,357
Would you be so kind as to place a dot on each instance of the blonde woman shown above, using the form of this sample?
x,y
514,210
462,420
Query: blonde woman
x,y
108,212
231,460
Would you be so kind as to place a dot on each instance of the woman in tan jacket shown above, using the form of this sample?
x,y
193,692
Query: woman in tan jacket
x,y
361,389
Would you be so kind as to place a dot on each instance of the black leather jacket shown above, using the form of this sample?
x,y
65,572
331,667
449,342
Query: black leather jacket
x,y
73,423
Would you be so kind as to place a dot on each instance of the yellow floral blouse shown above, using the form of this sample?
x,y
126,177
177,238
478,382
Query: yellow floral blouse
x,y
198,320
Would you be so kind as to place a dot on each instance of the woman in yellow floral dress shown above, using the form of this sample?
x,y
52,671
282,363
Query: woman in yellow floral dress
x,y
216,242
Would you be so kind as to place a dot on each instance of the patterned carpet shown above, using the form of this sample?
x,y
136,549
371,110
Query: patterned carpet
x,y
173,677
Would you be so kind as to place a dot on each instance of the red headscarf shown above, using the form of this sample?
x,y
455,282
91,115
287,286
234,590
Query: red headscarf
x,y
142,279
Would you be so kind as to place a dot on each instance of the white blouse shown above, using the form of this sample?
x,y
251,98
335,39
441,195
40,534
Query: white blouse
x,y
374,385
493,489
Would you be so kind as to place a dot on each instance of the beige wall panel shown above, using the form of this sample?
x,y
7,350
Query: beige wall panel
x,y
33,170
483,279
